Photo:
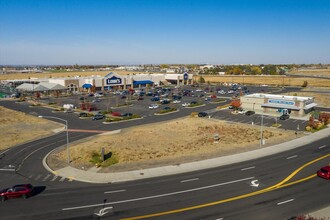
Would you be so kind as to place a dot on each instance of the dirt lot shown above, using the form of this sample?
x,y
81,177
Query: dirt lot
x,y
17,128
173,142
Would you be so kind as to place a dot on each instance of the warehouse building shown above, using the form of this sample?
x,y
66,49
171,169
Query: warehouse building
x,y
278,104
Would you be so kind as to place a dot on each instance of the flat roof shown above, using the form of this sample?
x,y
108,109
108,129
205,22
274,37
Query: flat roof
x,y
284,97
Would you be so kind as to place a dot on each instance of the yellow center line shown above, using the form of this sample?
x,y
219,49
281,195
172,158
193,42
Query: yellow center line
x,y
268,189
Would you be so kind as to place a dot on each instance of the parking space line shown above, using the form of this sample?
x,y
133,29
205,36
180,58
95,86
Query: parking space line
x,y
189,180
280,203
54,178
323,146
62,179
248,168
46,177
288,158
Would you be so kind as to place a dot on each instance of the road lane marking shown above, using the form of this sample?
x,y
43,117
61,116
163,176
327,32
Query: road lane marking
x,y
160,195
323,146
279,185
46,177
280,203
54,178
7,169
248,168
294,156
62,179
189,180
116,191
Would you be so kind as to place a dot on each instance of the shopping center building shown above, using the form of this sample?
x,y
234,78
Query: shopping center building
x,y
278,104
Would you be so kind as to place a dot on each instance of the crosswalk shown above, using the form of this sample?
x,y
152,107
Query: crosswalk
x,y
48,178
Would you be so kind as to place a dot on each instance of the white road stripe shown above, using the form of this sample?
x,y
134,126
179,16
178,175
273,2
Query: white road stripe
x,y
323,146
280,203
62,179
288,158
54,178
7,169
248,168
189,180
219,219
46,177
38,177
157,196
116,191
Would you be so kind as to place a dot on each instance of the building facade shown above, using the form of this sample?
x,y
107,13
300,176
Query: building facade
x,y
278,104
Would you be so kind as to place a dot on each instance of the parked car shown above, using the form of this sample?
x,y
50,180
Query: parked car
x,y
116,114
202,114
324,172
140,98
241,112
96,100
127,115
18,191
98,95
284,117
83,114
193,103
154,99
176,101
248,113
98,117
68,110
165,102
167,108
153,106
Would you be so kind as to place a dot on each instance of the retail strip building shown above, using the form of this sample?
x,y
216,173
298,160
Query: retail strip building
x,y
278,104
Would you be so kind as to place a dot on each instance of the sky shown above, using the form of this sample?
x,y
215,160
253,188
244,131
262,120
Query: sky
x,y
136,32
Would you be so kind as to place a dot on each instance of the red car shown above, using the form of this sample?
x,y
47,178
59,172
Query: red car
x,y
18,191
324,172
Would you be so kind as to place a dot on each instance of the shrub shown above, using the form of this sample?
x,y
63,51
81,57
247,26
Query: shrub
x,y
305,84
109,159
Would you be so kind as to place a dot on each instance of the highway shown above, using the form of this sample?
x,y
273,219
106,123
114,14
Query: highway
x,y
256,189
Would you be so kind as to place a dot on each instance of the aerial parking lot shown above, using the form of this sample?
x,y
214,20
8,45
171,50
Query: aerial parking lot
x,y
184,99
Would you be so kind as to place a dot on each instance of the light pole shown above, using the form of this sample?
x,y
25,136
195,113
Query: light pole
x,y
261,134
67,134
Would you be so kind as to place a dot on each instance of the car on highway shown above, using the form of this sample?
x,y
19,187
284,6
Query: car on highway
x,y
248,113
153,106
18,191
324,172
98,117
202,114
284,117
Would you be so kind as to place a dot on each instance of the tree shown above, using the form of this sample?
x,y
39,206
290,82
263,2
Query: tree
x,y
255,70
236,103
201,79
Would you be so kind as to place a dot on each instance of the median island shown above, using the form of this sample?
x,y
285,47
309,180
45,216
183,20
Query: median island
x,y
167,143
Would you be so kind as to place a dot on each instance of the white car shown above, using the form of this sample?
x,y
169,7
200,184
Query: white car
x,y
185,104
242,112
153,106
176,101
98,95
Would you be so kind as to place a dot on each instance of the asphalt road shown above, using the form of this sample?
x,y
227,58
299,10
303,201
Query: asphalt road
x,y
202,193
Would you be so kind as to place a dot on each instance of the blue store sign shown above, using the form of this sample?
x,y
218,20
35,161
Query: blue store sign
x,y
185,76
281,102
113,80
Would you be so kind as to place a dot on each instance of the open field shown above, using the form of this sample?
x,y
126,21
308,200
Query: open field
x,y
18,127
322,99
268,80
312,72
171,142
256,80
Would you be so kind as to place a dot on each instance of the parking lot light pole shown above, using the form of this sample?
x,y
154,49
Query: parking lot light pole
x,y
67,134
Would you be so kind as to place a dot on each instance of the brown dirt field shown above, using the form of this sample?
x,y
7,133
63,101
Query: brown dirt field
x,y
320,99
320,72
18,128
172,142
268,80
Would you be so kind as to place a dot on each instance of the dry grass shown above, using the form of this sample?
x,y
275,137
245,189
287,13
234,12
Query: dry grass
x,y
322,99
268,80
173,142
311,72
18,127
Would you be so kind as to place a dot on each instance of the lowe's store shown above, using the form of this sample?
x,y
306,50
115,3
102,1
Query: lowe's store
x,y
278,104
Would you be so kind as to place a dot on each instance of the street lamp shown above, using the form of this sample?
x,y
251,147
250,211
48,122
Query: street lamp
x,y
261,131
67,133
